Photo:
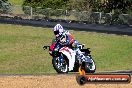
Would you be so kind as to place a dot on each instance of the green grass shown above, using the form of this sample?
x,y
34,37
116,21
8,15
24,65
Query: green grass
x,y
16,9
16,2
21,50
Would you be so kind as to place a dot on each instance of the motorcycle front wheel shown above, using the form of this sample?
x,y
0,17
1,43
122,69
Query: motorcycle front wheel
x,y
60,66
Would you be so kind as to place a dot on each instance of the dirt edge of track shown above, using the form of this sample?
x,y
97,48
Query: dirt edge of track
x,y
51,81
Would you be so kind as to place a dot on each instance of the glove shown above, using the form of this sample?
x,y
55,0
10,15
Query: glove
x,y
74,46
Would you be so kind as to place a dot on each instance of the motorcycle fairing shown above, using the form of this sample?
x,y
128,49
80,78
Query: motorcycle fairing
x,y
70,54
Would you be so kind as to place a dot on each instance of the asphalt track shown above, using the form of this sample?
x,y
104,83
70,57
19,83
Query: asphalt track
x,y
114,29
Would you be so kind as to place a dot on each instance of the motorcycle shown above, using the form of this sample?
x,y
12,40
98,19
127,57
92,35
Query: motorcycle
x,y
65,60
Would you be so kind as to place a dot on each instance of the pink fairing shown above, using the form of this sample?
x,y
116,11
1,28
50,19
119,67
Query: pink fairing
x,y
52,46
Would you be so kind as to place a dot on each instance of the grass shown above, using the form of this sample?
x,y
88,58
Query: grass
x,y
16,9
21,50
71,17
16,2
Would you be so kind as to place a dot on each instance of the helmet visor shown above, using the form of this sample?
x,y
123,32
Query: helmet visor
x,y
56,32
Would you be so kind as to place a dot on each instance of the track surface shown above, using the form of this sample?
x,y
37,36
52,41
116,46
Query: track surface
x,y
50,81
115,29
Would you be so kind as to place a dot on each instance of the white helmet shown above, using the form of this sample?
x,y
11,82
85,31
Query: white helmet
x,y
58,29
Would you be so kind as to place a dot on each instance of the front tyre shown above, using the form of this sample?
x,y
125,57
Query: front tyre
x,y
60,67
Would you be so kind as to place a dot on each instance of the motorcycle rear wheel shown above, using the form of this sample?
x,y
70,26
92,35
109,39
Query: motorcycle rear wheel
x,y
86,66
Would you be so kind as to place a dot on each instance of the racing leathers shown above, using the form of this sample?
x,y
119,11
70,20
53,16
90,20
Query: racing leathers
x,y
66,39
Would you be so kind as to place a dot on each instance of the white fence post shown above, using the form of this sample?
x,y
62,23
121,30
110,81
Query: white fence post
x,y
31,12
100,16
65,14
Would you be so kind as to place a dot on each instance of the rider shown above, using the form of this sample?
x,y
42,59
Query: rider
x,y
66,39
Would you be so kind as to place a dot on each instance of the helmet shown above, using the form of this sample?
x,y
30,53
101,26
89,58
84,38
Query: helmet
x,y
58,29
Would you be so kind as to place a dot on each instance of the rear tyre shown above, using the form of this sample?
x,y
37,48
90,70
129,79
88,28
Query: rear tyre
x,y
89,67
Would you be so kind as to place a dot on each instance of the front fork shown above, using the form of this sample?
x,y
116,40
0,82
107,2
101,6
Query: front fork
x,y
60,60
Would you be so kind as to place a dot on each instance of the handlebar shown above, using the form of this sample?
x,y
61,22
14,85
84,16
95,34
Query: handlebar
x,y
46,47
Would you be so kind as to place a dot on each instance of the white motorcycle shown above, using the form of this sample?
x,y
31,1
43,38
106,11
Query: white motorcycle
x,y
65,59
